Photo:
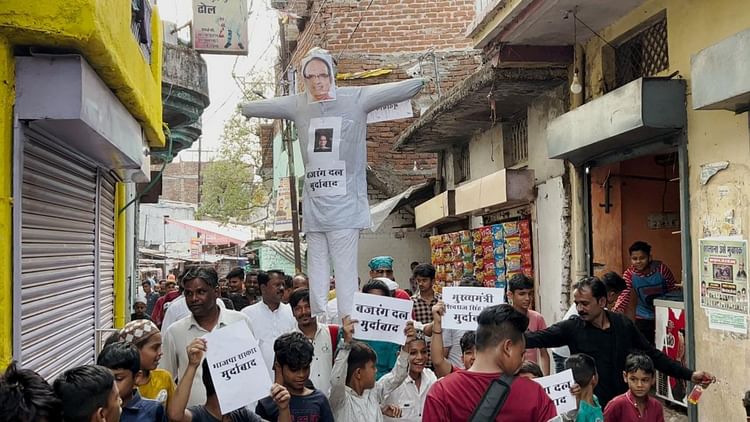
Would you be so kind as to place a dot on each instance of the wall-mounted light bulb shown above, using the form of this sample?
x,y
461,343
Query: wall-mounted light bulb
x,y
576,87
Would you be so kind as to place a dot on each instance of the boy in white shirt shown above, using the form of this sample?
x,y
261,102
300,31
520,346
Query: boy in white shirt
x,y
405,403
355,396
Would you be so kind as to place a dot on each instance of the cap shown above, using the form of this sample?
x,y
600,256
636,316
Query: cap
x,y
381,262
136,332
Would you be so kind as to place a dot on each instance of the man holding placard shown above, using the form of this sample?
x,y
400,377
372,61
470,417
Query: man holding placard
x,y
201,291
210,411
500,350
382,333
355,395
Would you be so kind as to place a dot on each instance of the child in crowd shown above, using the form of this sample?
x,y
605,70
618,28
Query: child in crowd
x,y
88,393
530,370
139,309
441,365
406,402
210,412
355,395
386,352
294,355
636,404
520,294
26,396
124,361
156,383
585,375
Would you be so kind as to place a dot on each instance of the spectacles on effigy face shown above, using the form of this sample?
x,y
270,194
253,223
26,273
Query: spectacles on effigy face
x,y
320,76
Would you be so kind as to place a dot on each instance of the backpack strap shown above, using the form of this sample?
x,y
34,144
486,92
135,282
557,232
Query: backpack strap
x,y
333,330
493,399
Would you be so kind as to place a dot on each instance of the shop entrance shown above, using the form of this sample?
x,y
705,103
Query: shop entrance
x,y
638,200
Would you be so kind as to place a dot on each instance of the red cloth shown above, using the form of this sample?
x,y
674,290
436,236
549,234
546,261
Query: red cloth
x,y
158,314
401,294
454,398
622,409
536,323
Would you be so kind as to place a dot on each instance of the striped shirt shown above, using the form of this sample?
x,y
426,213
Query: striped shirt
x,y
654,267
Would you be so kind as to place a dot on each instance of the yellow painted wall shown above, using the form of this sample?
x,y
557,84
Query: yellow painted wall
x,y
712,136
100,30
7,94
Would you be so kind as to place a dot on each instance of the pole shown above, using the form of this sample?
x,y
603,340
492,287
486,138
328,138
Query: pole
x,y
200,141
287,140
293,197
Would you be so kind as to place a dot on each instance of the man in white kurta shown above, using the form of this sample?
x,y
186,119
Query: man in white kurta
x,y
334,202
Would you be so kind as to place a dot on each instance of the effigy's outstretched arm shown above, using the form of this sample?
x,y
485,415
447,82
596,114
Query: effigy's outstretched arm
x,y
376,96
272,108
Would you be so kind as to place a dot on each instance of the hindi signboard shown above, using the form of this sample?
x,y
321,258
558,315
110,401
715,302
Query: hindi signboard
x,y
283,216
238,371
396,111
557,387
220,26
381,318
463,305
724,282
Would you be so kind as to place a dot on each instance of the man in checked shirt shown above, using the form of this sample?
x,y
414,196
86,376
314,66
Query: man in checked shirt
x,y
425,298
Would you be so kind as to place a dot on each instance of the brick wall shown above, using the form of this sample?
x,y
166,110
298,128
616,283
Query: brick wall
x,y
180,182
266,133
397,34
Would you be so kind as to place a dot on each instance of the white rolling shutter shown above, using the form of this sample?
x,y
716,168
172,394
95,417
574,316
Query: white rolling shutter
x,y
106,248
58,262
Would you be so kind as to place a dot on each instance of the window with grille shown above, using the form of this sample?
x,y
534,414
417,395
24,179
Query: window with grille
x,y
645,54
461,164
516,142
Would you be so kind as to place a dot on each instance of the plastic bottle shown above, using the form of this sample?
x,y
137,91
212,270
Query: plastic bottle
x,y
695,394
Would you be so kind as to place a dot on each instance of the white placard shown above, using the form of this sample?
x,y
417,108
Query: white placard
x,y
238,371
400,110
220,26
463,305
327,179
557,387
380,317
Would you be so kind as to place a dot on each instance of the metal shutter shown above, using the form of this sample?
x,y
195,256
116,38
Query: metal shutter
x,y
106,248
58,261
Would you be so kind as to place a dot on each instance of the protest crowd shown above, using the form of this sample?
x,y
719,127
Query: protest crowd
x,y
468,354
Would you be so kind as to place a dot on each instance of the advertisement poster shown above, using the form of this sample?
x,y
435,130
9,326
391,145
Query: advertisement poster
x,y
283,215
220,26
724,275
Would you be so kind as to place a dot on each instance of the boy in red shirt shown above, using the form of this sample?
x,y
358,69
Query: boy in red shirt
x,y
635,404
520,293
500,346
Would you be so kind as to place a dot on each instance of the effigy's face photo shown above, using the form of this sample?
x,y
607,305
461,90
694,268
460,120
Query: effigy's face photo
x,y
318,78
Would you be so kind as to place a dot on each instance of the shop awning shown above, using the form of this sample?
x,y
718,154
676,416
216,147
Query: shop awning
x,y
383,209
632,115
719,76
219,234
465,109
500,190
62,95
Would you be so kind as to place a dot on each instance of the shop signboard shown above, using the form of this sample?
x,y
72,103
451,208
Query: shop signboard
x,y
220,26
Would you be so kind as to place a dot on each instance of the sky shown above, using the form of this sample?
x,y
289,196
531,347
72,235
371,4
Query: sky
x,y
224,92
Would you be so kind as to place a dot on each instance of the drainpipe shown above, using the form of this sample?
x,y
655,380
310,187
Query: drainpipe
x,y
579,227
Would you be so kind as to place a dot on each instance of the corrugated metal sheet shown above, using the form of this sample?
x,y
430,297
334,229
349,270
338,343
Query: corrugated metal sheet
x,y
58,259
106,250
